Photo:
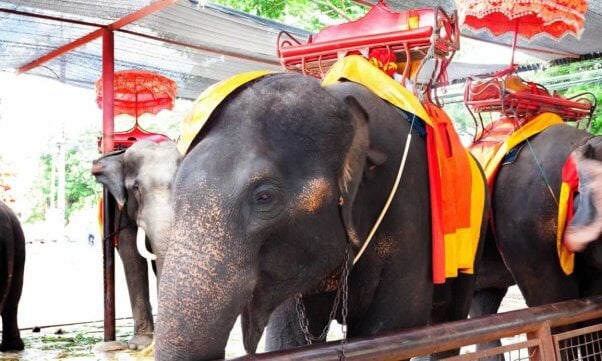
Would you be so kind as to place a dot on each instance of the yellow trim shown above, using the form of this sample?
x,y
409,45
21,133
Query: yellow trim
x,y
357,69
207,102
532,127
567,258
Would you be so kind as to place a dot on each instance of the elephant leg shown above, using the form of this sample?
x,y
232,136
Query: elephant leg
x,y
11,337
406,305
487,302
136,275
451,302
284,330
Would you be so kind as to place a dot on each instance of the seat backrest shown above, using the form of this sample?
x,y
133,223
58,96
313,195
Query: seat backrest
x,y
380,19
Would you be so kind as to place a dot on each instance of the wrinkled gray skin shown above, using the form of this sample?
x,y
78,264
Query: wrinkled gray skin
x,y
257,220
525,223
140,179
12,264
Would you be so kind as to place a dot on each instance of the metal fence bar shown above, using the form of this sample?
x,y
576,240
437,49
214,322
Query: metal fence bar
x,y
495,351
452,335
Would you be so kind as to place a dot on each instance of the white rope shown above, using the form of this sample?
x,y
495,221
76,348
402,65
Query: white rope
x,y
391,195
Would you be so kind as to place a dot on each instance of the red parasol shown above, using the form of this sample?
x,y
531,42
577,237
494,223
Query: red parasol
x,y
506,92
138,92
527,18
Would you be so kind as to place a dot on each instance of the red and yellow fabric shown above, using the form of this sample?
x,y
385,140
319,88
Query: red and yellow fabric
x,y
491,149
384,59
206,103
457,198
457,189
570,183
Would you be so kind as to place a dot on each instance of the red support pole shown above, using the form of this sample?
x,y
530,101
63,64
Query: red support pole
x,y
108,204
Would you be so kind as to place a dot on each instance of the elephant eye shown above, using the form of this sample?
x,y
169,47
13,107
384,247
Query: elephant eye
x,y
264,197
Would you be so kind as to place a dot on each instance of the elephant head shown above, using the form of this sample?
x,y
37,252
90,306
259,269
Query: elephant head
x,y
585,229
261,208
140,179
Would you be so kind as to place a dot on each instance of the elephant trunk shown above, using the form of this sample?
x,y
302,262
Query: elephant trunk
x,y
204,287
586,225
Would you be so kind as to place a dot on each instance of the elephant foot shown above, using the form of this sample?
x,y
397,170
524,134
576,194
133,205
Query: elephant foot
x,y
149,351
13,344
140,341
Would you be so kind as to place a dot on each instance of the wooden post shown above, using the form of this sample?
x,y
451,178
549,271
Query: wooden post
x,y
544,335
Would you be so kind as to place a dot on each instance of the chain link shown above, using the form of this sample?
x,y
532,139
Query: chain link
x,y
342,292
344,306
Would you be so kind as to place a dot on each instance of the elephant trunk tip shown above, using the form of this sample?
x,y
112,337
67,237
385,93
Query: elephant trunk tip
x,y
576,239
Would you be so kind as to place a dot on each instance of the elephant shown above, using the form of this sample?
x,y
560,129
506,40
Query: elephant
x,y
521,246
269,202
139,179
12,265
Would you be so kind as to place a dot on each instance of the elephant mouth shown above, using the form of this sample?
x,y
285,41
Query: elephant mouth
x,y
253,322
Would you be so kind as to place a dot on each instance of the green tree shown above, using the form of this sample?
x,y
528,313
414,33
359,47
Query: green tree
x,y
587,73
310,15
40,190
81,190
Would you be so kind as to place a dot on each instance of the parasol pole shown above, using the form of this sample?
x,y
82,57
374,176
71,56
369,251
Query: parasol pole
x,y
108,122
514,41
136,105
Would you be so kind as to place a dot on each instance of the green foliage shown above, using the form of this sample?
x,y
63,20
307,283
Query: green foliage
x,y
40,190
310,15
81,190
584,71
71,346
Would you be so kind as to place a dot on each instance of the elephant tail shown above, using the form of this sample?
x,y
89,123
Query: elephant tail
x,y
8,258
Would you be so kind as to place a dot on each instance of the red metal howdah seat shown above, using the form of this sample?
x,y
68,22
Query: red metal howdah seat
x,y
513,97
123,140
409,35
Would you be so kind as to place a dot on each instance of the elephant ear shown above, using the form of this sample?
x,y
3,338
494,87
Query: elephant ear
x,y
353,166
108,170
586,224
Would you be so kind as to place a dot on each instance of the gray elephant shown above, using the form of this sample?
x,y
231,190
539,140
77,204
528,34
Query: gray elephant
x,y
140,180
265,202
522,247
12,264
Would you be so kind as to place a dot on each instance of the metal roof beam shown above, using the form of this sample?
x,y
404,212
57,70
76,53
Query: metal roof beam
x,y
128,19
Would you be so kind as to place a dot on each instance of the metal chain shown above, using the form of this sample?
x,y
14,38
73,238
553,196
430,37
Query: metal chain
x,y
343,290
344,306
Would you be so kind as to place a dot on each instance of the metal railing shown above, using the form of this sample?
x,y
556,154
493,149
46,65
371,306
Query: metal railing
x,y
536,323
